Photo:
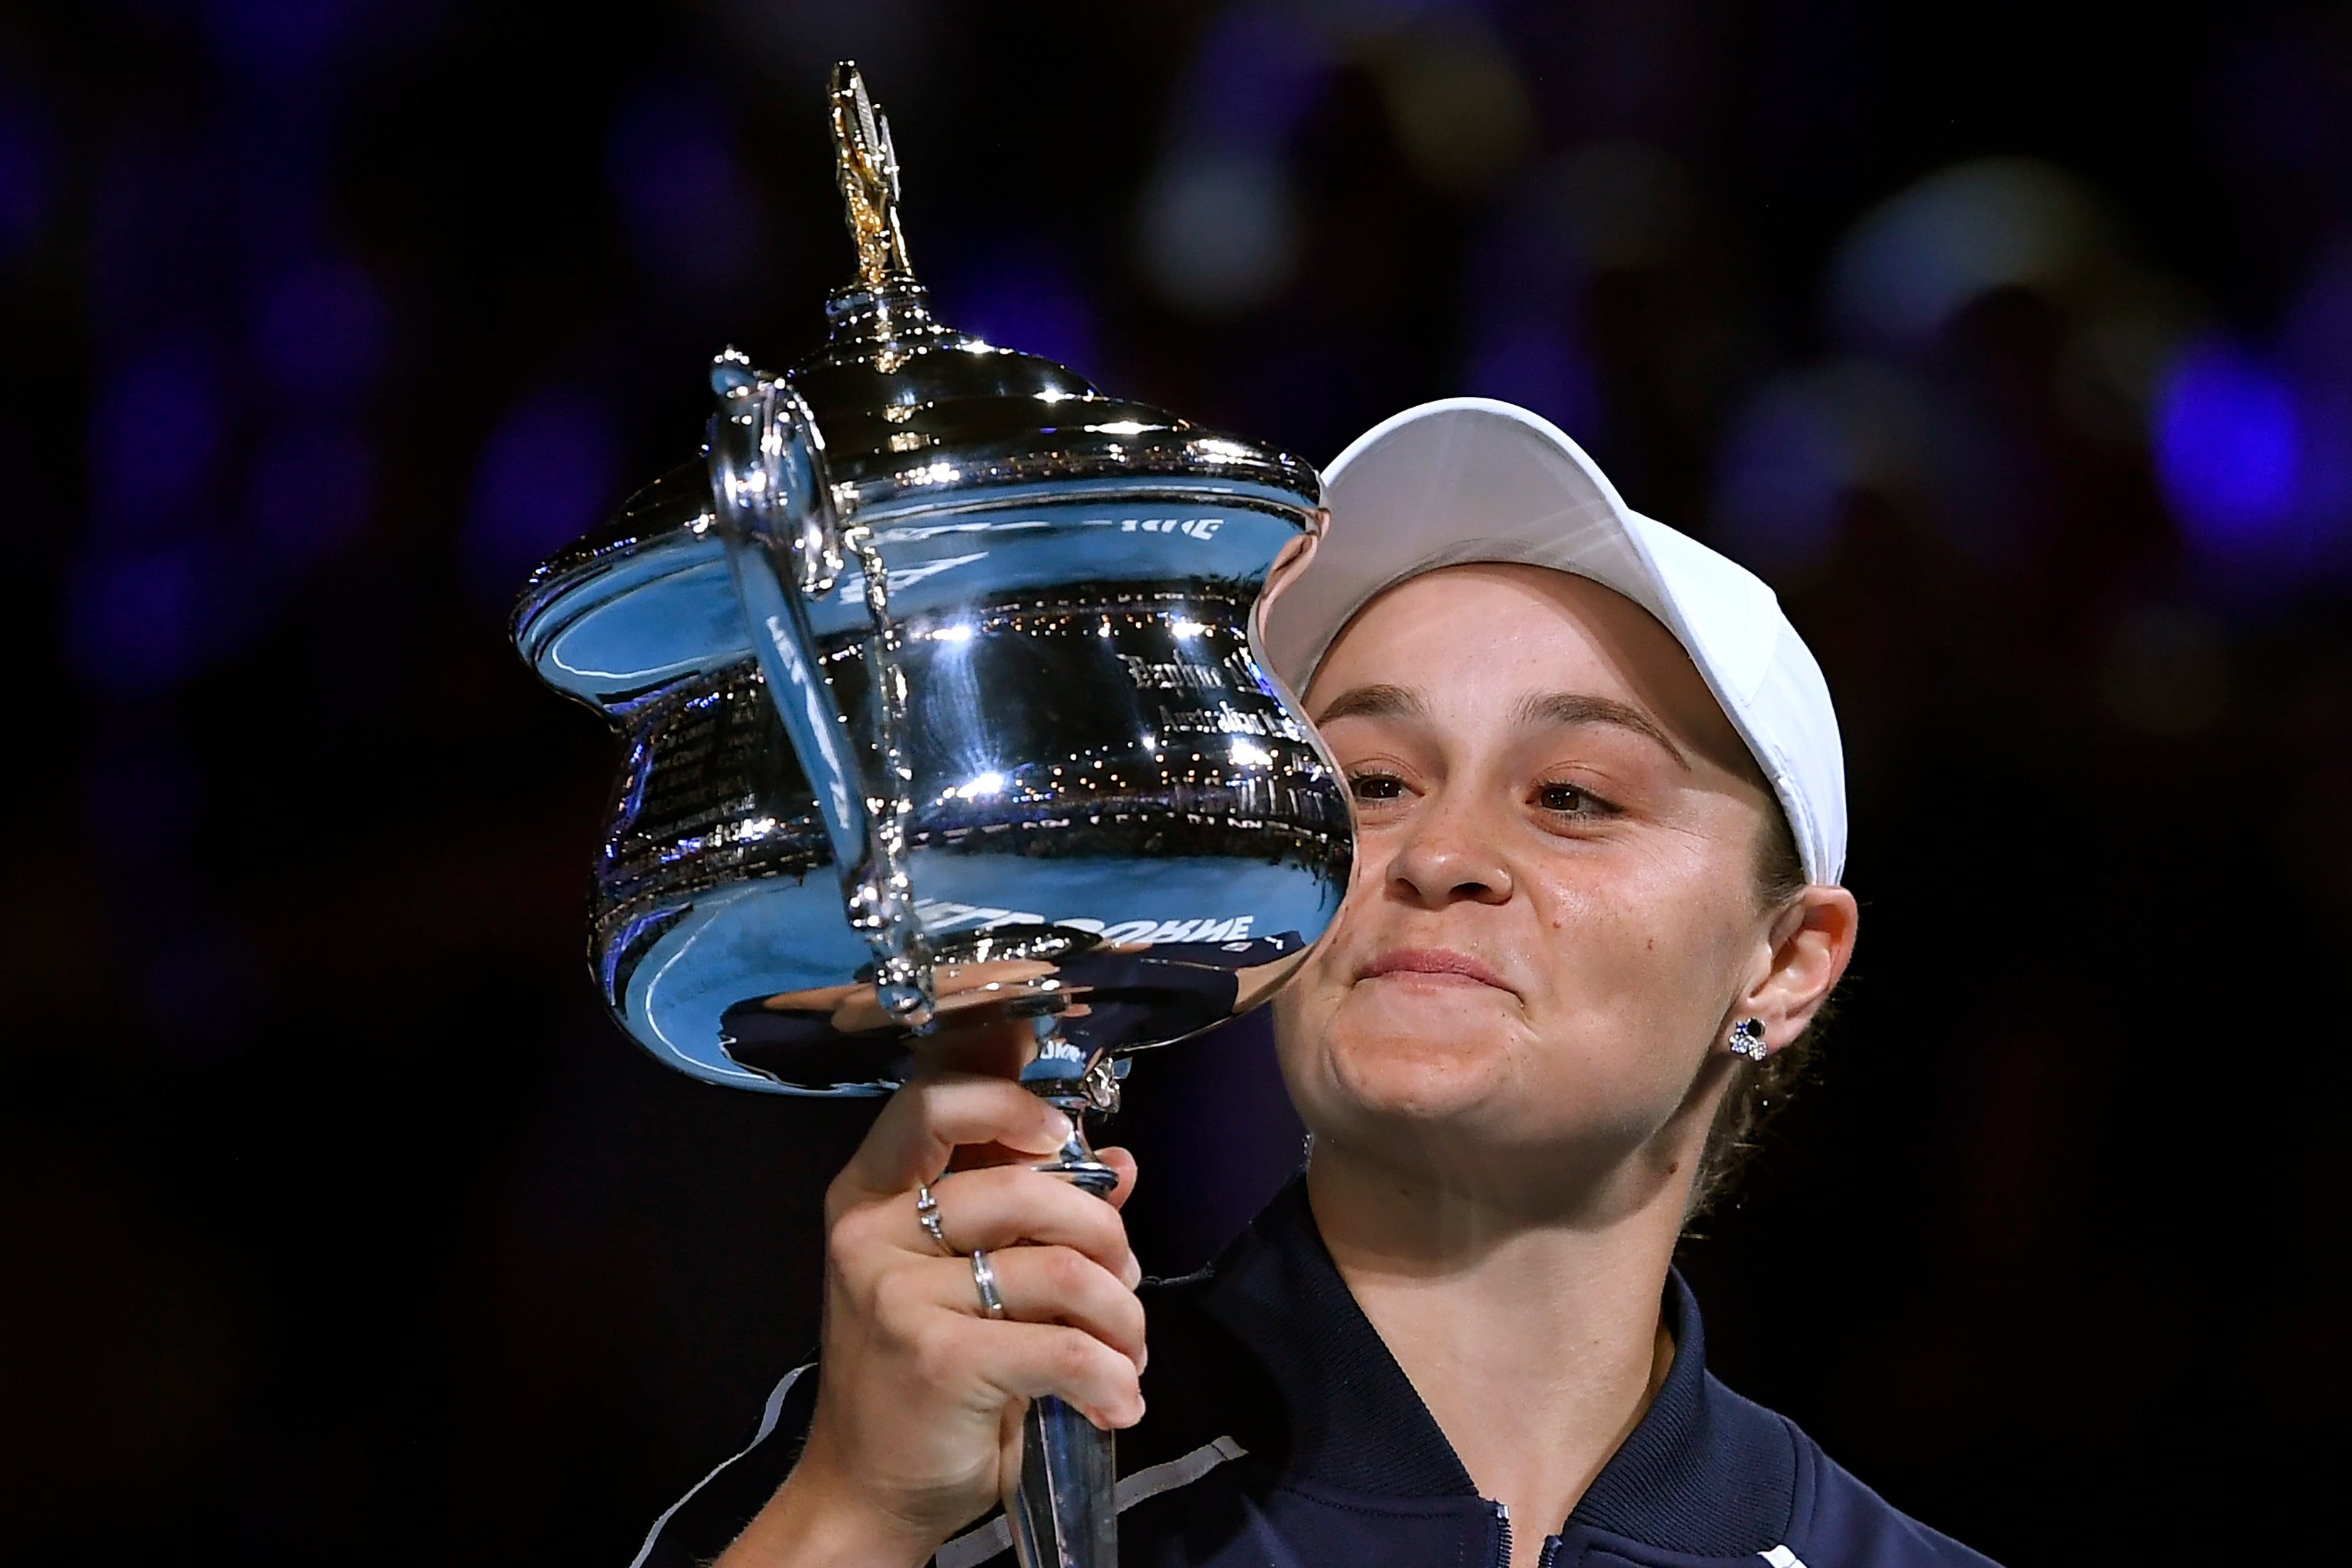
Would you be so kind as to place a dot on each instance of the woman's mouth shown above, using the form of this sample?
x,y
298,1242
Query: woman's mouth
x,y
1437,966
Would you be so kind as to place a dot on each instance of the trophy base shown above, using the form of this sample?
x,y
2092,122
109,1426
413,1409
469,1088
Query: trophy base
x,y
1044,1004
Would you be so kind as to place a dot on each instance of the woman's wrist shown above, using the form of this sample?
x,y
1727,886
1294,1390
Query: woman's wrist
x,y
815,1521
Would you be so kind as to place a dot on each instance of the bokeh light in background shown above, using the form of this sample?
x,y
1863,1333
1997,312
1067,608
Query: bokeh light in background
x,y
693,216
2229,448
544,475
2015,350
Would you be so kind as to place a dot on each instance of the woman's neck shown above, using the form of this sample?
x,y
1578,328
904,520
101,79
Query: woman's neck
x,y
1535,1343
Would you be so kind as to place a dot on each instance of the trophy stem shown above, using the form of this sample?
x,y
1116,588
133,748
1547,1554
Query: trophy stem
x,y
1061,1507
1075,1161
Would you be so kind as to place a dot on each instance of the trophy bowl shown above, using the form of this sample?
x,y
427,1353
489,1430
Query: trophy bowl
x,y
1095,761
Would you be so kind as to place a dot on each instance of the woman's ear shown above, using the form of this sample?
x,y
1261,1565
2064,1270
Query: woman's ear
x,y
1812,939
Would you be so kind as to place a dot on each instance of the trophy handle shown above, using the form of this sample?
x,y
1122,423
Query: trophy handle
x,y
770,500
785,546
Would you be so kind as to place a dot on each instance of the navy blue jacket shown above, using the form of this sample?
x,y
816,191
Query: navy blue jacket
x,y
1280,1433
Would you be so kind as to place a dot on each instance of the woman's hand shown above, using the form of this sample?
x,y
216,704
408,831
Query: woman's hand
x,y
964,995
920,1395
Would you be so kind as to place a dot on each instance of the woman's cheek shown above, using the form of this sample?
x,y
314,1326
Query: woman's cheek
x,y
1302,1012
1615,970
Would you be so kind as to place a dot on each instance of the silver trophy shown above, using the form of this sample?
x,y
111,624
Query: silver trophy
x,y
948,741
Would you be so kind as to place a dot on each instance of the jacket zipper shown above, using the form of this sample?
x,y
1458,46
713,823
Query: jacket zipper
x,y
1550,1557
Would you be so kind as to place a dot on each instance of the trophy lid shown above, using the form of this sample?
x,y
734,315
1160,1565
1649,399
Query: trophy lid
x,y
913,414
910,407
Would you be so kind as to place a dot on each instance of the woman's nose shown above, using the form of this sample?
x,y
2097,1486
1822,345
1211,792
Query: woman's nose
x,y
1445,854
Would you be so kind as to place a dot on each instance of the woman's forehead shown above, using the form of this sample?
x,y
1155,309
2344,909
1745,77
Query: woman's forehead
x,y
1499,640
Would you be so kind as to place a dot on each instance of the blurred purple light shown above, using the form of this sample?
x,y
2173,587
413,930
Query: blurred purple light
x,y
155,438
1539,366
544,475
1029,302
1781,485
2324,485
288,39
2316,338
2229,446
1260,72
1525,292
144,619
2315,348
692,215
319,331
309,491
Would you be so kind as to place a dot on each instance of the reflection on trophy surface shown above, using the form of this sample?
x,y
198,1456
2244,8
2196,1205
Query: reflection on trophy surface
x,y
945,723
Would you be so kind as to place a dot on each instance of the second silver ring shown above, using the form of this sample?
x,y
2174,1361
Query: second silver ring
x,y
983,1279
927,1210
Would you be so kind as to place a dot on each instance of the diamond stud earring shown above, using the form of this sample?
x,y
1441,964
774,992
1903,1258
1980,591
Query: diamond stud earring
x,y
1747,1039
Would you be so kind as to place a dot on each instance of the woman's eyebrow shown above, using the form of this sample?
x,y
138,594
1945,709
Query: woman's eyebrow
x,y
1374,702
1582,707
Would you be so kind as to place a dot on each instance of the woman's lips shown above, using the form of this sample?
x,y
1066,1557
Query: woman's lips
x,y
1432,963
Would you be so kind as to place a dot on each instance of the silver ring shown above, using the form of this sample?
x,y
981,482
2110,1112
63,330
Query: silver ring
x,y
983,1279
927,1210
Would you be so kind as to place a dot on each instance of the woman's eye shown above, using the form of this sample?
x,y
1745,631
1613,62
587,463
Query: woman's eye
x,y
1375,786
1570,801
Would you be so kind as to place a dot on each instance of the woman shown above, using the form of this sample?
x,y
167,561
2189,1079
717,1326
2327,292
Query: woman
x,y
1600,824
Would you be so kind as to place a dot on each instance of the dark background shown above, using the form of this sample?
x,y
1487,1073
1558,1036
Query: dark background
x,y
2012,342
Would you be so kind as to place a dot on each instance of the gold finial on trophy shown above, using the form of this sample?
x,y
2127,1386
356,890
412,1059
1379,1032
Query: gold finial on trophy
x,y
867,167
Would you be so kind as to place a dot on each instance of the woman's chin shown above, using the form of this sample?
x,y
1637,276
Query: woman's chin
x,y
1405,1073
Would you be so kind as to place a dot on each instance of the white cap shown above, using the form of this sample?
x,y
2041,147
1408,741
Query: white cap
x,y
1469,478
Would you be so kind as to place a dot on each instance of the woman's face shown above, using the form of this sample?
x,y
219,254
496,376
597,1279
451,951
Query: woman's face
x,y
1554,919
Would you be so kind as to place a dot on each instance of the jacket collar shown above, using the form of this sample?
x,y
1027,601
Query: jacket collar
x,y
1703,1472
